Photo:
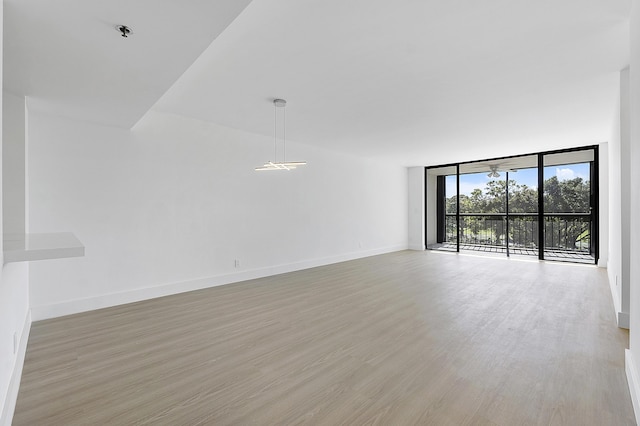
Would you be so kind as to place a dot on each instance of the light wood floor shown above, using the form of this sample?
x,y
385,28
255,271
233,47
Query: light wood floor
x,y
408,338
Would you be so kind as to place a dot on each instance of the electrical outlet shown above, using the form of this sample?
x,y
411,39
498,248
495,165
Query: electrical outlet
x,y
236,263
15,342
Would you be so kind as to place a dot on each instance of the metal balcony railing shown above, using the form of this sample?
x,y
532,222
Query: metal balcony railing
x,y
564,233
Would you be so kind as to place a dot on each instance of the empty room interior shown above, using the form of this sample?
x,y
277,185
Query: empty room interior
x,y
320,212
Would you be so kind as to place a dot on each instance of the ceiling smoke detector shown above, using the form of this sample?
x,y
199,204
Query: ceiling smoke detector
x,y
124,30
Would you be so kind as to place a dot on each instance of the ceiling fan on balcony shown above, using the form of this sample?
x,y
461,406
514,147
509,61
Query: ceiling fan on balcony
x,y
494,170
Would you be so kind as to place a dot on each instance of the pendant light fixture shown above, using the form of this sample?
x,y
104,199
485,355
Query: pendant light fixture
x,y
284,164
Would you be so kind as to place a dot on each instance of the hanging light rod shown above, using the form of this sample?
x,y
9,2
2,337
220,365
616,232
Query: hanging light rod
x,y
281,166
284,164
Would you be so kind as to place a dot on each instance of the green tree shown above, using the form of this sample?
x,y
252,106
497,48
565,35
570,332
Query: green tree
x,y
522,199
566,196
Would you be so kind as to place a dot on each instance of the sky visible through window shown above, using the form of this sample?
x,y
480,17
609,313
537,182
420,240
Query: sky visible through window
x,y
529,177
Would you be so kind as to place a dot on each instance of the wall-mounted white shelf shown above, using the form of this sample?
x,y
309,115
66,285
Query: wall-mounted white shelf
x,y
27,247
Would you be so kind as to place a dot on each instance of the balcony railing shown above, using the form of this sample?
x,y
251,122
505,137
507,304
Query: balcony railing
x,y
564,233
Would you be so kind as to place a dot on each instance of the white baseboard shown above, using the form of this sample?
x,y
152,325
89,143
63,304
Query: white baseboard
x,y
632,380
113,299
6,416
622,318
419,247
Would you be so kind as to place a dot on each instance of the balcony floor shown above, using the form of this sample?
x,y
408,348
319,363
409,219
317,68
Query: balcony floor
x,y
557,254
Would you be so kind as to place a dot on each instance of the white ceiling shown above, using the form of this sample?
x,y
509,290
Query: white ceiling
x,y
69,58
414,82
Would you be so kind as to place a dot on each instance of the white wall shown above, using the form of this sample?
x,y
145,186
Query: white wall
x,y
14,318
633,354
14,291
603,204
13,164
614,262
416,208
14,284
170,206
618,265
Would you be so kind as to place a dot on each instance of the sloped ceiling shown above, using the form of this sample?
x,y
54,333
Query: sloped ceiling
x,y
409,82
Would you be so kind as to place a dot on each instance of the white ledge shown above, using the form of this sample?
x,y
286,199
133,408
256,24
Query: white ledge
x,y
26,247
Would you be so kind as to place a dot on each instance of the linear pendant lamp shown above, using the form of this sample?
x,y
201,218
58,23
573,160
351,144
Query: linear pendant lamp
x,y
284,164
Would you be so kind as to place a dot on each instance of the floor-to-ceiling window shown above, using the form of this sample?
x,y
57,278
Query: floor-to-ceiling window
x,y
482,209
497,206
570,205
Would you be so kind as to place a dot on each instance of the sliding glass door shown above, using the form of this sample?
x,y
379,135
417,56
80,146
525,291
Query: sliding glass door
x,y
523,207
483,206
497,206
569,213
